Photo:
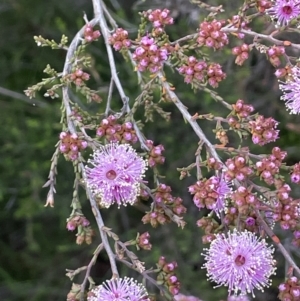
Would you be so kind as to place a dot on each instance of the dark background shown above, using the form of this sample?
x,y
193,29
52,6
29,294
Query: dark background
x,y
35,247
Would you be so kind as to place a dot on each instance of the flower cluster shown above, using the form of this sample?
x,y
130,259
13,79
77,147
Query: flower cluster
x,y
242,53
285,208
119,39
210,193
263,130
291,90
90,34
237,169
114,132
296,239
166,276
209,226
164,201
274,54
119,289
198,71
115,174
150,56
84,231
193,70
295,173
283,11
243,198
212,163
155,153
215,74
290,289
242,110
159,18
75,221
240,23
240,261
211,35
143,241
71,145
263,5
269,166
78,77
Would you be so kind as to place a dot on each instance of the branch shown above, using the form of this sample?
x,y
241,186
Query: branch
x,y
276,240
188,117
99,14
22,97
72,128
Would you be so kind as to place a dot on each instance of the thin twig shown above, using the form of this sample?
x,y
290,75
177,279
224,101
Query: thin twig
x,y
88,270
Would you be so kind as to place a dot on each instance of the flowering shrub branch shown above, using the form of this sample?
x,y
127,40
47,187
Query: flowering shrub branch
x,y
246,194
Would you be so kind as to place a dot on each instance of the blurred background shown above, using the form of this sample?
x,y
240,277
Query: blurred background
x,y
35,247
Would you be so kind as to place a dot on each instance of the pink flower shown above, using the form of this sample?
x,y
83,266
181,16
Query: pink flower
x,y
239,261
120,289
116,174
291,91
283,11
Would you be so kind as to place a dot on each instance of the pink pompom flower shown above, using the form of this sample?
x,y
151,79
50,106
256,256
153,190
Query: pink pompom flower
x,y
115,174
120,289
240,261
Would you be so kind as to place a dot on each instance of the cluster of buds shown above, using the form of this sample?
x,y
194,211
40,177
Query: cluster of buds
x,y
263,5
199,71
269,166
238,22
166,275
119,39
143,241
242,110
274,54
76,115
209,226
263,130
210,193
242,198
295,173
113,132
222,136
90,34
231,215
84,231
155,154
237,169
242,53
75,221
75,292
283,72
212,163
289,290
211,35
164,207
149,56
296,239
215,74
193,70
159,18
285,208
78,77
71,145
